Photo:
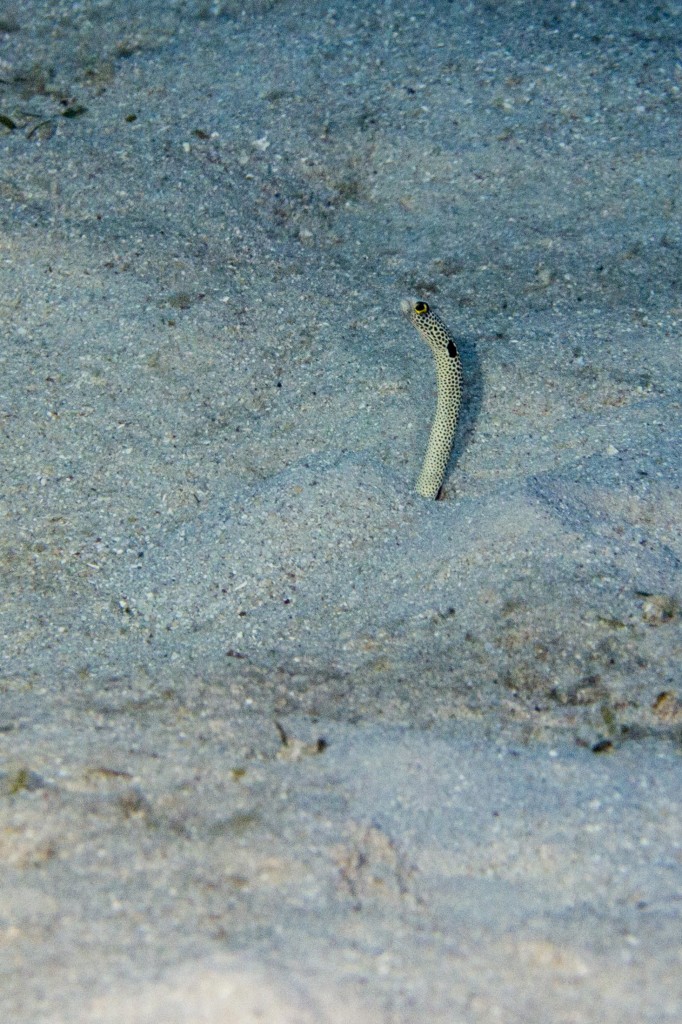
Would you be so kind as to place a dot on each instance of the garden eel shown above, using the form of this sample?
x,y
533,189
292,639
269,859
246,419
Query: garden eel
x,y
449,377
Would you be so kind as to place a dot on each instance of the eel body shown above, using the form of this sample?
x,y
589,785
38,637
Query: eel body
x,y
435,333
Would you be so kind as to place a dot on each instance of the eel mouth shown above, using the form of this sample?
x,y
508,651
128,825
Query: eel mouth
x,y
406,306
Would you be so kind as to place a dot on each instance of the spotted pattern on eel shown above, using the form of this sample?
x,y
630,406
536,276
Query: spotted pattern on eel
x,y
435,333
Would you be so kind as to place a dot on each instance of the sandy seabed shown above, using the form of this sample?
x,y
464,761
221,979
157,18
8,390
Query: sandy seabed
x,y
279,740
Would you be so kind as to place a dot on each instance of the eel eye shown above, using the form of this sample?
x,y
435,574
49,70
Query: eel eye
x,y
421,308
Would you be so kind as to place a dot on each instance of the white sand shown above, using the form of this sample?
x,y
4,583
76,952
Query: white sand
x,y
213,417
